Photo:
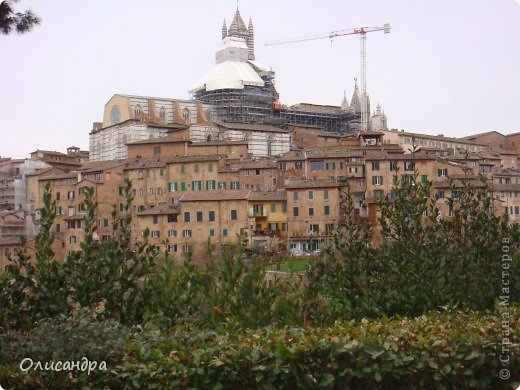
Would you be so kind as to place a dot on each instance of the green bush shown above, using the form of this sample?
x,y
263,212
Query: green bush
x,y
441,349
423,261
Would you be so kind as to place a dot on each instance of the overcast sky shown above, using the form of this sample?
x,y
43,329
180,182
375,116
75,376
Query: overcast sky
x,y
448,66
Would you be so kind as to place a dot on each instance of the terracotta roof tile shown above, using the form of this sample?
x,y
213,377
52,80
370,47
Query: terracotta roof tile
x,y
217,195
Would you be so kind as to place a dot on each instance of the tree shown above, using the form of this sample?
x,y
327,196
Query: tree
x,y
20,21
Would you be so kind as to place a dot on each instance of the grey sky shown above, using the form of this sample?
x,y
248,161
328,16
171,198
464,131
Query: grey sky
x,y
448,66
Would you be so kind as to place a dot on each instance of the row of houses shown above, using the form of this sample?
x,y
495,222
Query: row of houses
x,y
188,194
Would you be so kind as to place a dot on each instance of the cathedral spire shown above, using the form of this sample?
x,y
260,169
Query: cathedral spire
x,y
251,40
355,102
224,29
344,103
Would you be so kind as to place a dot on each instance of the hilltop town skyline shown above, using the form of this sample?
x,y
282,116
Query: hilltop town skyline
x,y
423,74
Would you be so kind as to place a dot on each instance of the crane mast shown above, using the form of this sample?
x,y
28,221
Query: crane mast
x,y
362,31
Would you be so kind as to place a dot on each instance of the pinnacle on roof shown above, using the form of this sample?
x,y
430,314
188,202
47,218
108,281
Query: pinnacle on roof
x,y
344,103
237,27
224,29
355,102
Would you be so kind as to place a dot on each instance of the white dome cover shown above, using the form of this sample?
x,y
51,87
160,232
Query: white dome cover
x,y
228,75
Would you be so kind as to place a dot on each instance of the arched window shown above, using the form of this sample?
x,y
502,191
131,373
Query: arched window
x,y
115,116
137,111
186,114
162,114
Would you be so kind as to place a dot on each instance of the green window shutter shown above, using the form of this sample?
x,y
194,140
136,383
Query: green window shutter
x,y
183,186
424,178
169,187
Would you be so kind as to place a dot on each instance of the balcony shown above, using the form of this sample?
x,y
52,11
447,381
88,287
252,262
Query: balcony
x,y
257,214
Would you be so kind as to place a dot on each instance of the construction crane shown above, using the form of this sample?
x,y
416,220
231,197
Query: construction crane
x,y
362,31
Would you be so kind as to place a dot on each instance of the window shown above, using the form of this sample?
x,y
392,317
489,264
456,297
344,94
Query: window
x,y
196,185
172,247
224,232
58,196
105,222
377,180
172,233
156,233
393,194
212,232
246,172
199,216
186,114
186,233
171,187
284,207
352,169
210,185
298,165
98,176
137,111
187,216
409,165
326,210
81,190
222,185
196,168
295,211
72,239
140,174
235,185
424,178
257,172
158,191
455,194
330,165
295,196
183,168
325,194
378,194
115,115
375,165
172,218
311,195
58,228
311,212
394,166
273,207
211,216
183,186
155,219
317,165
156,150
395,179
162,114
186,248
443,172
234,215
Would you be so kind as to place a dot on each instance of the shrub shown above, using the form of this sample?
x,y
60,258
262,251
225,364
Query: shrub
x,y
441,349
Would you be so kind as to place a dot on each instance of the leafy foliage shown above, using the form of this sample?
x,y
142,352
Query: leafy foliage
x,y
441,349
423,262
20,21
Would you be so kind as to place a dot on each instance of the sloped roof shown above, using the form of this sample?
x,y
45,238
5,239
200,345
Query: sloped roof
x,y
161,209
311,184
251,126
228,75
198,196
268,195
97,166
